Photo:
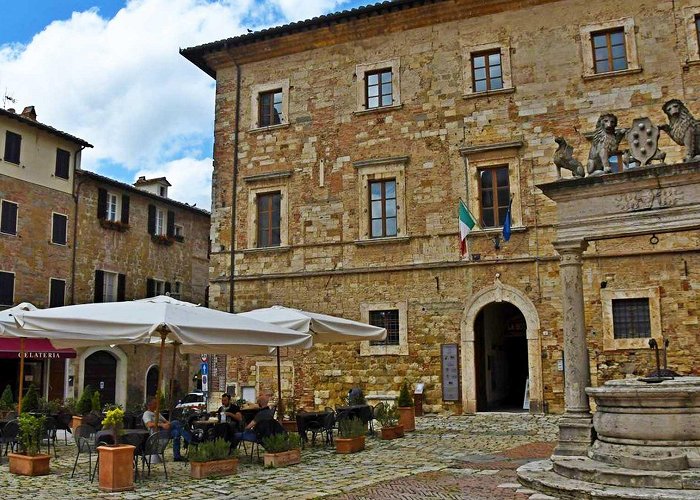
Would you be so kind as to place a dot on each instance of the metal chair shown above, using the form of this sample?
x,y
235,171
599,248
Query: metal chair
x,y
48,434
63,421
262,430
85,442
8,436
155,445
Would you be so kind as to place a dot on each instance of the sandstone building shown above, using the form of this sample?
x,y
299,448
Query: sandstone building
x,y
70,236
344,143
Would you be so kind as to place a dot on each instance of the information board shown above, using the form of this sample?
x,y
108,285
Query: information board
x,y
450,372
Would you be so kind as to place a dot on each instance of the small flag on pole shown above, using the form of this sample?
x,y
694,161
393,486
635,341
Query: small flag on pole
x,y
507,222
466,224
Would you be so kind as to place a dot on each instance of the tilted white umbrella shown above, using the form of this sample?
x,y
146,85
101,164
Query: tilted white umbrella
x,y
160,319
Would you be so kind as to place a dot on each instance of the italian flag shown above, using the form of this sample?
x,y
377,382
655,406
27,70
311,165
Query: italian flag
x,y
466,224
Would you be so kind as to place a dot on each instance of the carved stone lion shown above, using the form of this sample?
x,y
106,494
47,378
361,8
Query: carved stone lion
x,y
564,158
682,128
605,143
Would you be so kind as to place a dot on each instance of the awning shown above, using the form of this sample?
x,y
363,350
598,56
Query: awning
x,y
33,349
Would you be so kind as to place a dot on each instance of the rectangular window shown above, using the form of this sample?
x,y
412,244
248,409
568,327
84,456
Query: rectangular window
x,y
7,288
13,145
378,89
609,53
109,288
57,292
487,72
8,217
159,287
386,319
179,231
269,219
382,208
494,193
160,222
270,108
631,318
112,207
62,163
59,229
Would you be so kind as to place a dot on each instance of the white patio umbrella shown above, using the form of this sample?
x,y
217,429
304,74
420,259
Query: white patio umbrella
x,y
323,327
158,319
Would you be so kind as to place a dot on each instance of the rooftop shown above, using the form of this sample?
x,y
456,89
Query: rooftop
x,y
41,126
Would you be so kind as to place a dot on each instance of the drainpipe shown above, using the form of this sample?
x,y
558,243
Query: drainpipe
x,y
76,198
235,185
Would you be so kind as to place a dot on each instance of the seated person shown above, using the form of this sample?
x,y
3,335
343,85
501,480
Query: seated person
x,y
175,428
230,409
264,414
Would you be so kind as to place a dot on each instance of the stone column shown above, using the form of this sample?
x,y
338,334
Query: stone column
x,y
576,425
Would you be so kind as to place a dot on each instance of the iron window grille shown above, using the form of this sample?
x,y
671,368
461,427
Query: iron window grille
x,y
388,319
631,318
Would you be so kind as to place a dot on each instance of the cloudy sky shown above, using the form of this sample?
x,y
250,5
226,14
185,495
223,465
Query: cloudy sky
x,y
109,72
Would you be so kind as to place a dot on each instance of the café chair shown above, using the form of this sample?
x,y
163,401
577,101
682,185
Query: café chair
x,y
155,446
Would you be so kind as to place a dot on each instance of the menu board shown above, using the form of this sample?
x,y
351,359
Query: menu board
x,y
450,372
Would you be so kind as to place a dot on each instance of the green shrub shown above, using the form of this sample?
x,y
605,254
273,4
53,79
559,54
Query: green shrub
x,y
7,401
30,401
356,398
283,441
29,436
209,451
95,402
70,405
351,427
114,420
388,416
405,399
85,401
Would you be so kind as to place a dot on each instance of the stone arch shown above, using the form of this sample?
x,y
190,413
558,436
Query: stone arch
x,y
148,378
498,292
122,370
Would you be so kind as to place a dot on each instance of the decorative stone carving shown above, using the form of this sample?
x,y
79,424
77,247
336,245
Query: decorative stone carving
x,y
564,158
605,143
682,128
643,140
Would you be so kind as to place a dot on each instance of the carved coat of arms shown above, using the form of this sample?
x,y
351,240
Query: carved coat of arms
x,y
643,140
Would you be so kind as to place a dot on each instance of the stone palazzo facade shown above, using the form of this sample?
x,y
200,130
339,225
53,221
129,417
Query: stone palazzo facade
x,y
343,145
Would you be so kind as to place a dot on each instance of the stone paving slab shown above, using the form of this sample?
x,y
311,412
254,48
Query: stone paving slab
x,y
439,443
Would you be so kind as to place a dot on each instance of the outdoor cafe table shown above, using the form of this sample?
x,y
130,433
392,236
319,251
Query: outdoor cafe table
x,y
363,412
308,417
134,437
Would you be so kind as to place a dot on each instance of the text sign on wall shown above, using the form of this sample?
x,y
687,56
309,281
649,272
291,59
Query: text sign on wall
x,y
450,372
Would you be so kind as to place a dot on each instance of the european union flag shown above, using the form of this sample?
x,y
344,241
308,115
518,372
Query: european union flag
x,y
507,222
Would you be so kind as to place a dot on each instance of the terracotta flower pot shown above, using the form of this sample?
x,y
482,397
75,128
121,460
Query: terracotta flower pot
x,y
75,422
283,458
393,432
24,465
349,445
407,418
289,425
215,468
116,467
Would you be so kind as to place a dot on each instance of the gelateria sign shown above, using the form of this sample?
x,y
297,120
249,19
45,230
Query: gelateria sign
x,y
38,349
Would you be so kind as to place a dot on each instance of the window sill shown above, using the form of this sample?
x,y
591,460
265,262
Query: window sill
x,y
488,93
14,235
384,350
279,249
114,225
380,109
161,239
60,177
498,230
382,241
260,130
610,74
58,244
641,343
179,239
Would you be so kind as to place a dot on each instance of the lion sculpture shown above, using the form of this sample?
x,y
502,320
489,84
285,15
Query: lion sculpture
x,y
564,158
605,143
682,128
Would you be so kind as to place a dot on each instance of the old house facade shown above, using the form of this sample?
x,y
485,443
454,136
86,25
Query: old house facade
x,y
343,145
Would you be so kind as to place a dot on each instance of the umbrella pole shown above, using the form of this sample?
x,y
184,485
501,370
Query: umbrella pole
x,y
163,335
21,374
280,404
172,379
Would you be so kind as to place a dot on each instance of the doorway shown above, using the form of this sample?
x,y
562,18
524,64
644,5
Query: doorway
x,y
101,375
151,381
500,357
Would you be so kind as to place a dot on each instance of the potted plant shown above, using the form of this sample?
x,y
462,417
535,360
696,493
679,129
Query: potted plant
x,y
116,460
30,401
407,414
82,407
7,402
388,416
351,436
29,462
212,459
281,450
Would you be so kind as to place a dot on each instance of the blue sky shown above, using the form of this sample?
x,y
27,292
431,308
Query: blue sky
x,y
109,72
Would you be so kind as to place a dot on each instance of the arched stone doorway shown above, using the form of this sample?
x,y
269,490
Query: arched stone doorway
x,y
101,375
494,295
151,381
117,359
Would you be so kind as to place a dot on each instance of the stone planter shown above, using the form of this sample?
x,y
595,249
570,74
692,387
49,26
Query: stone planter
x,y
116,467
216,468
290,425
393,432
349,445
283,458
407,418
24,465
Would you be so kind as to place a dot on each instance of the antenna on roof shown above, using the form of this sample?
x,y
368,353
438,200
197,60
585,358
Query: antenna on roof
x,y
7,98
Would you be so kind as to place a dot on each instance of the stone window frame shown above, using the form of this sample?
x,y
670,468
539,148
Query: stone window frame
x,y
586,32
361,71
490,156
386,350
261,88
506,69
607,295
378,169
271,184
691,14
51,240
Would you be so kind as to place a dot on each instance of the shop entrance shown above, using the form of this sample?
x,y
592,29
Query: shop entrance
x,y
101,375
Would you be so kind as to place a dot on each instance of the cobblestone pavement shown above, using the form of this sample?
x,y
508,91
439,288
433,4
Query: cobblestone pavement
x,y
447,457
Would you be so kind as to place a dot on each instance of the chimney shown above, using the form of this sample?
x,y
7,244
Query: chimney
x,y
29,112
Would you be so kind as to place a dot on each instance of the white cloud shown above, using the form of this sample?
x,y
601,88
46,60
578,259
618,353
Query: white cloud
x,y
122,85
